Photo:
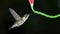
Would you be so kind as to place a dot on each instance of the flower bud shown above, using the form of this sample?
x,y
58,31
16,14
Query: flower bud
x,y
31,2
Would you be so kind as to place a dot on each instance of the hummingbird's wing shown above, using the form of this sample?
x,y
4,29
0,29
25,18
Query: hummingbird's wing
x,y
14,14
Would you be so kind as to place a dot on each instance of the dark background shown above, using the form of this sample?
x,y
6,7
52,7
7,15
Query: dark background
x,y
36,24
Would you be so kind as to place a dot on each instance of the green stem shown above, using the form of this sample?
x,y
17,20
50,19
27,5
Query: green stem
x,y
43,14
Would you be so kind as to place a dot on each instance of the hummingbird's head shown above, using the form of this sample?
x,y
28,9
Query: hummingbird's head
x,y
25,17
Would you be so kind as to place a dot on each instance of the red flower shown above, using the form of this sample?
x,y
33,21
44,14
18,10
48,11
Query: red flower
x,y
31,1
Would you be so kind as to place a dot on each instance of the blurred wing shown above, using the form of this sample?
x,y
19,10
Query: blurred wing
x,y
15,15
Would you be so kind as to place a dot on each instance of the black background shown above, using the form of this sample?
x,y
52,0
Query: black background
x,y
36,24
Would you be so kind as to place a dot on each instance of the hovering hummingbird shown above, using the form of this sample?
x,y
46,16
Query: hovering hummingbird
x,y
19,20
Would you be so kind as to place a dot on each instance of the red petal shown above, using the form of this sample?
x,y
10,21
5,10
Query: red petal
x,y
31,1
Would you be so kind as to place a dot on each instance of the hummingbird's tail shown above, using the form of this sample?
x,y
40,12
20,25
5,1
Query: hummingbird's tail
x,y
13,26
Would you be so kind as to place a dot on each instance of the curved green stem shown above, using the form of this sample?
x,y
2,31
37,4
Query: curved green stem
x,y
43,14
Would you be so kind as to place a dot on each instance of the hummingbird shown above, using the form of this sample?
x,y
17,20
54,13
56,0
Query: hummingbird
x,y
19,20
